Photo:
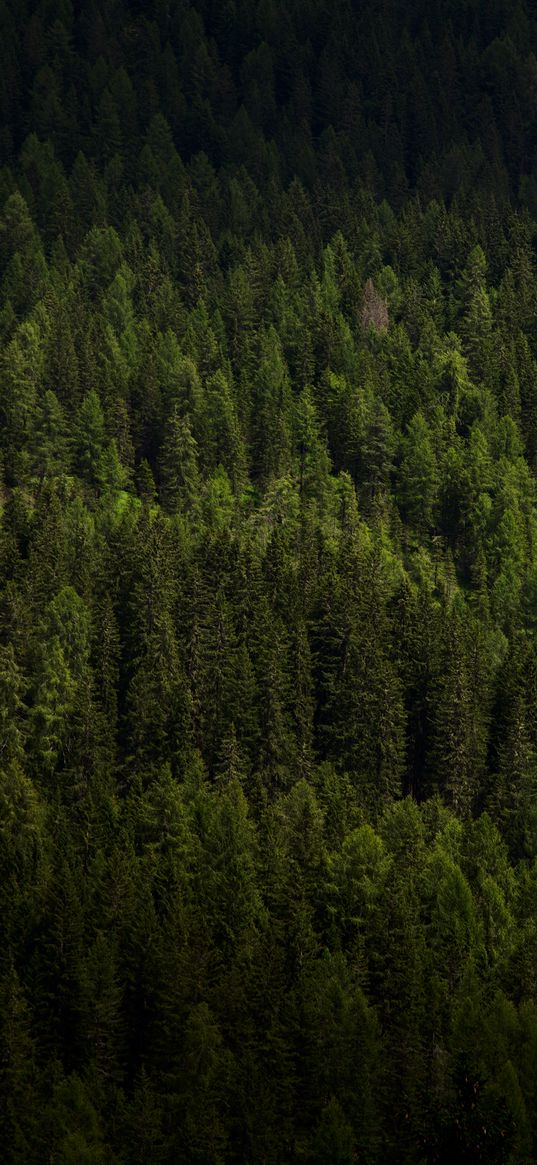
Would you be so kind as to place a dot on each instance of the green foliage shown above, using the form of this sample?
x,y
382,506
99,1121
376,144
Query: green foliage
x,y
268,583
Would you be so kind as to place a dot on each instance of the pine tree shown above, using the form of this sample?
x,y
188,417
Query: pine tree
x,y
179,472
418,475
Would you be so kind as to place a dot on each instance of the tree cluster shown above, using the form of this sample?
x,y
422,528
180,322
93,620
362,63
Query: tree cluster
x,y
268,583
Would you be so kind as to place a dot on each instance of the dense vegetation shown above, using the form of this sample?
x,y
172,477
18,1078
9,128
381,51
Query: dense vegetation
x,y
268,582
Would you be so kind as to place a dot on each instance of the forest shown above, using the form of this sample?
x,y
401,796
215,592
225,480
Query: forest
x,y
268,582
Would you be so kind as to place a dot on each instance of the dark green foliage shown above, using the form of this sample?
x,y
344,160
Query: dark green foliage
x,y
268,583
